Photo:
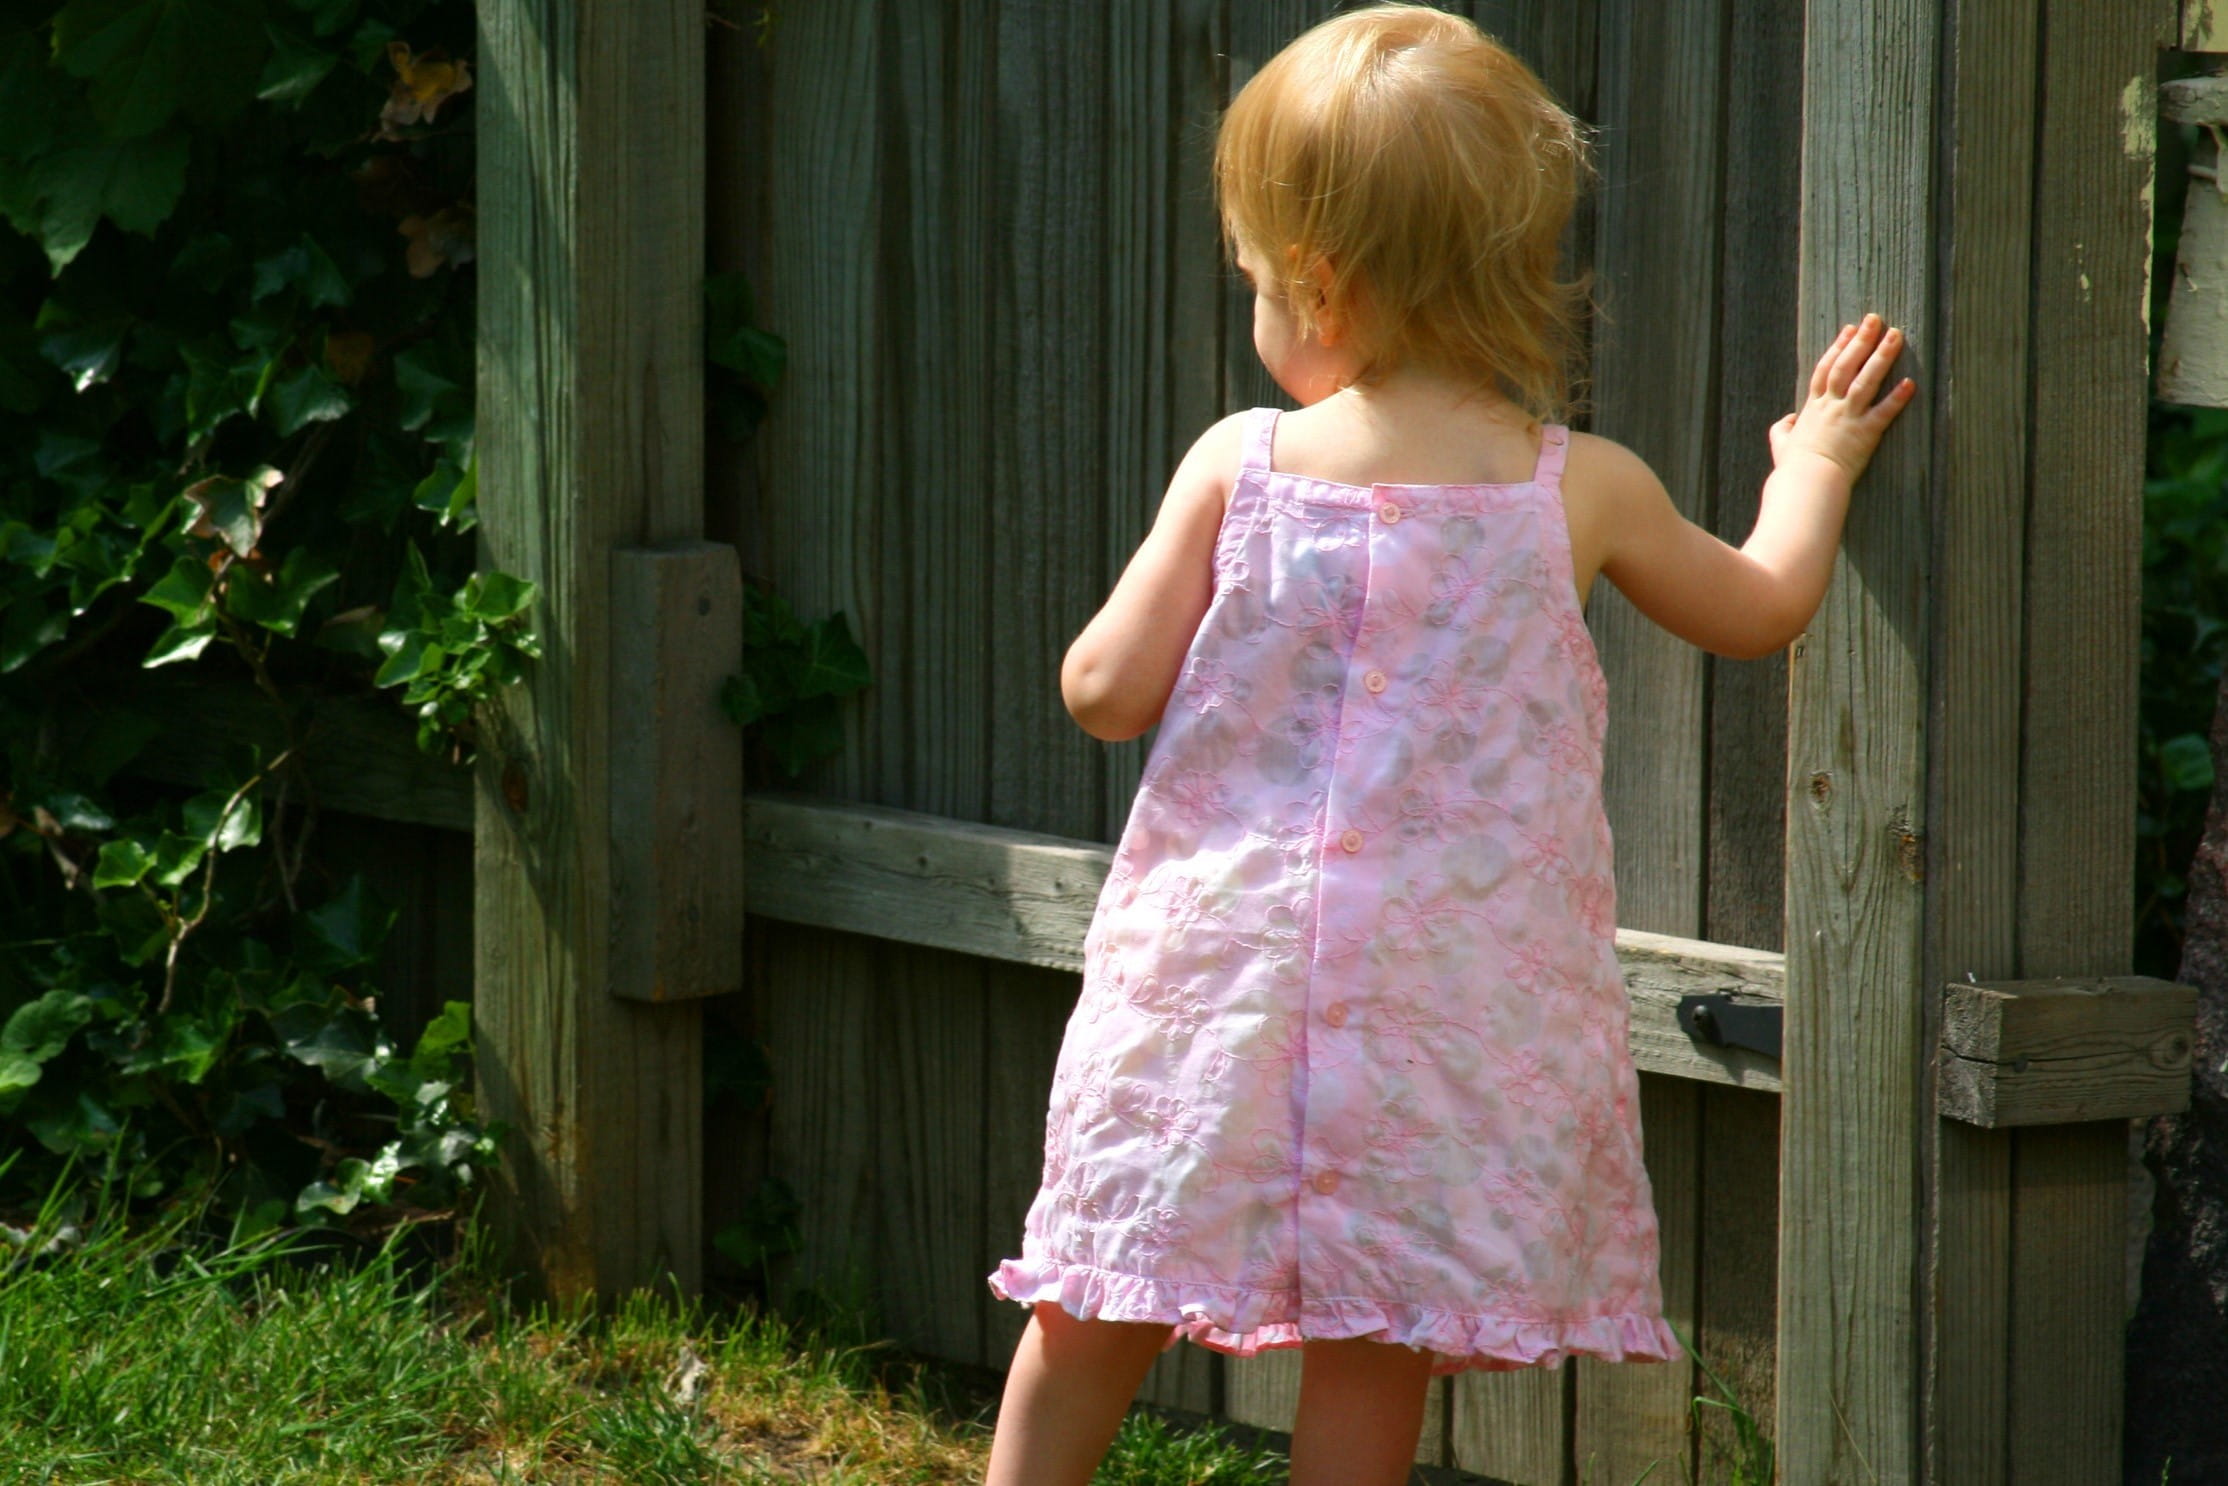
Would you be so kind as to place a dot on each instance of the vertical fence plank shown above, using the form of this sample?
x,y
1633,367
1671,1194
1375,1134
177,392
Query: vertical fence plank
x,y
1855,1037
1738,1312
590,382
926,1067
818,1022
1514,1426
2083,621
1973,813
828,452
1021,1044
1736,1306
1654,383
1631,1416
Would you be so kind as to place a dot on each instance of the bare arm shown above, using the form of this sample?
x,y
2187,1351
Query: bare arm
x,y
1118,674
1750,601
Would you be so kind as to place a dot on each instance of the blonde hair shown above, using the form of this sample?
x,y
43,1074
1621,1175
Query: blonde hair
x,y
1433,173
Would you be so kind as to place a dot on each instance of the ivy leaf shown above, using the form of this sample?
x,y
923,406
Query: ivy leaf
x,y
87,354
304,266
445,1039
135,183
2187,762
146,58
231,510
207,822
833,663
28,627
295,68
343,1043
327,16
176,856
422,387
346,931
121,864
276,600
739,698
184,640
184,590
423,82
40,1029
308,396
85,1126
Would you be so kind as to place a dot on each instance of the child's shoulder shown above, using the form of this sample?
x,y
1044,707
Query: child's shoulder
x,y
1605,487
1211,465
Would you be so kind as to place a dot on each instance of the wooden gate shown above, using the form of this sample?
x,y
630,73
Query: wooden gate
x,y
985,229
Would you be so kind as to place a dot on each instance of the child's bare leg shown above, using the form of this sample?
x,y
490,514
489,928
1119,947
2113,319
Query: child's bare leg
x,y
1070,1384
1360,1413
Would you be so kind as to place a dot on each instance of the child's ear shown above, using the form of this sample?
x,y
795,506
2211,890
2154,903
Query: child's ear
x,y
1330,325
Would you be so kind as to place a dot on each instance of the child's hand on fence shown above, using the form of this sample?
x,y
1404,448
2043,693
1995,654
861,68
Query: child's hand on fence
x,y
1841,421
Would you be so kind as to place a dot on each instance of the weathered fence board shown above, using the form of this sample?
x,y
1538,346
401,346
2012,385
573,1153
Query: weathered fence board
x,y
590,135
1974,716
2090,339
1855,1035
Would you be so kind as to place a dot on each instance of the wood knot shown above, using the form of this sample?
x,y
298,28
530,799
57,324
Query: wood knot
x,y
1821,787
514,787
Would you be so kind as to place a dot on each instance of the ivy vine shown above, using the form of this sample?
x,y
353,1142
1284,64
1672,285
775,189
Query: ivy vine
x,y
236,441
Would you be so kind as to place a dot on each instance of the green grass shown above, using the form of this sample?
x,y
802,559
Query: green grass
x,y
141,1357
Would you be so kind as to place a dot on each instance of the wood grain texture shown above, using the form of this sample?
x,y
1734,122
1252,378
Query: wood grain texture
x,y
2068,1295
825,1145
1851,1107
676,773
2089,341
1975,706
590,396
1737,1313
1514,1426
1632,1415
1654,377
2065,1051
924,1064
1759,364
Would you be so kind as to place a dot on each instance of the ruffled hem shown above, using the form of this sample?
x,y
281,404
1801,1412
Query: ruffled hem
x,y
1244,1322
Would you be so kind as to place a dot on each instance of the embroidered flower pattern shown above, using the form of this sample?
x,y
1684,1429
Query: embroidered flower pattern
x,y
1349,1055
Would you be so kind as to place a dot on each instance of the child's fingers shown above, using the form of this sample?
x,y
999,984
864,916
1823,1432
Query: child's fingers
x,y
1853,356
1866,384
1819,372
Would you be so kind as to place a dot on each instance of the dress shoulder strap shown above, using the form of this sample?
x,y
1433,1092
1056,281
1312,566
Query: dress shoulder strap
x,y
1554,443
1260,440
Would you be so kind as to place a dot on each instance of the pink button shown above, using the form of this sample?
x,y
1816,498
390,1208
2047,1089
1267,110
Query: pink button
x,y
1326,1182
1389,512
1351,840
1335,1013
1375,681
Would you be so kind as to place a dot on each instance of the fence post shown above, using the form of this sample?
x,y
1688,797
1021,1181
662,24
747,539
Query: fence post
x,y
1961,736
591,198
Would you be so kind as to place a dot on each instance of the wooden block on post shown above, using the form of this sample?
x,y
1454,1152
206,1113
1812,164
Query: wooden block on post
x,y
2052,1052
676,773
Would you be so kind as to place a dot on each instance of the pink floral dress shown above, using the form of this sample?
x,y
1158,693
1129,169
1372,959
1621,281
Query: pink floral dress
x,y
1349,1058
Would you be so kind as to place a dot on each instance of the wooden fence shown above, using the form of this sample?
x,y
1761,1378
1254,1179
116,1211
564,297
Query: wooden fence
x,y
983,227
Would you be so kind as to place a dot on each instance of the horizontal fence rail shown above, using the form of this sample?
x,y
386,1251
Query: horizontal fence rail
x,y
1019,895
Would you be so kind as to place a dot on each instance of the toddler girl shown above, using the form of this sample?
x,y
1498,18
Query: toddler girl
x,y
1349,1069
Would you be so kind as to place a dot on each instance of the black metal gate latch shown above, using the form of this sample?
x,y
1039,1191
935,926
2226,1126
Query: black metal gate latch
x,y
1722,1021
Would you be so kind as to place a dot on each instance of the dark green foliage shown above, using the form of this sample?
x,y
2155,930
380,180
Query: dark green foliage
x,y
794,679
236,439
2185,626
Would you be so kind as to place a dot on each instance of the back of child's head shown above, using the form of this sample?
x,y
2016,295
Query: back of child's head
x,y
1433,173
